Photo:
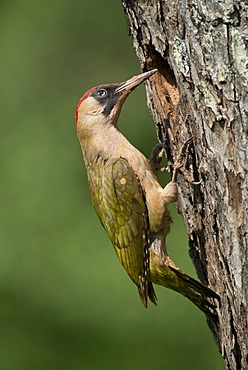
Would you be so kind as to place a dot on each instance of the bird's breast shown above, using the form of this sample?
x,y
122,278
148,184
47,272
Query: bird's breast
x,y
96,159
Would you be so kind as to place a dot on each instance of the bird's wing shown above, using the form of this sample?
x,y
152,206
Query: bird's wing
x,y
125,218
123,198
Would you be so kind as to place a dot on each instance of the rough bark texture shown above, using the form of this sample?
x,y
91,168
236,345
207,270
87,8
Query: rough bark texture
x,y
200,50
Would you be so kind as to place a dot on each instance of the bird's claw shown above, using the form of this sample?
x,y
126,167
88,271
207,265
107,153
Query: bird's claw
x,y
196,182
157,155
156,158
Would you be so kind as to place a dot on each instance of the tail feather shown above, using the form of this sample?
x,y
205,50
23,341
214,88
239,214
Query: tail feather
x,y
149,293
196,285
152,294
166,274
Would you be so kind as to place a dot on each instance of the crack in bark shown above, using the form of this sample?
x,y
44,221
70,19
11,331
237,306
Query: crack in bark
x,y
213,99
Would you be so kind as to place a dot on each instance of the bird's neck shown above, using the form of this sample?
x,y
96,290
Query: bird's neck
x,y
106,143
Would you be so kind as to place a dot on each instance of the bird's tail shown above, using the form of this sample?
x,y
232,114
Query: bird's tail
x,y
164,272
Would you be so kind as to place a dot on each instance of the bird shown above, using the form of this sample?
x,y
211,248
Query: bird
x,y
129,201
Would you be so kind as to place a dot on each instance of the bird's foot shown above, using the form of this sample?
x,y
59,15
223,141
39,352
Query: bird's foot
x,y
156,157
170,191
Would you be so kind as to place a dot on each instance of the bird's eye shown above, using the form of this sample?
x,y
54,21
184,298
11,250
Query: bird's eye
x,y
102,92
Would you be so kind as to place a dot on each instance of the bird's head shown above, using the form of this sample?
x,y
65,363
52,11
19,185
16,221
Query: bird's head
x,y
102,104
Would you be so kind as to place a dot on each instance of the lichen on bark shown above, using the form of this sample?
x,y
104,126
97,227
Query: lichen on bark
x,y
200,50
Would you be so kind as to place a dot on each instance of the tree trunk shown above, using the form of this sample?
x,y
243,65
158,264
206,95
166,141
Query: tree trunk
x,y
200,50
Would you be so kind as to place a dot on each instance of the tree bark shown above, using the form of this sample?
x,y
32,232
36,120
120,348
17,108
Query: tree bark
x,y
200,50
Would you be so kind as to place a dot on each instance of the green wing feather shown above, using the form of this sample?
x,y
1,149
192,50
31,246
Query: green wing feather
x,y
120,205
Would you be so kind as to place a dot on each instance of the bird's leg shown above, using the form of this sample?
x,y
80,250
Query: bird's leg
x,y
170,190
156,157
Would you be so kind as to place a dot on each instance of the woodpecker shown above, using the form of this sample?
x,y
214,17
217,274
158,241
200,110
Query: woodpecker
x,y
127,197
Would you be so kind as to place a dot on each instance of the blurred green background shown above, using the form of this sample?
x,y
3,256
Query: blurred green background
x,y
65,301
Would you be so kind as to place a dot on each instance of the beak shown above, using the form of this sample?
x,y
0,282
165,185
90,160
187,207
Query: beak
x,y
135,81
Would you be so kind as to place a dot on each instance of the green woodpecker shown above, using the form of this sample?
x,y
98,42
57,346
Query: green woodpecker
x,y
127,197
